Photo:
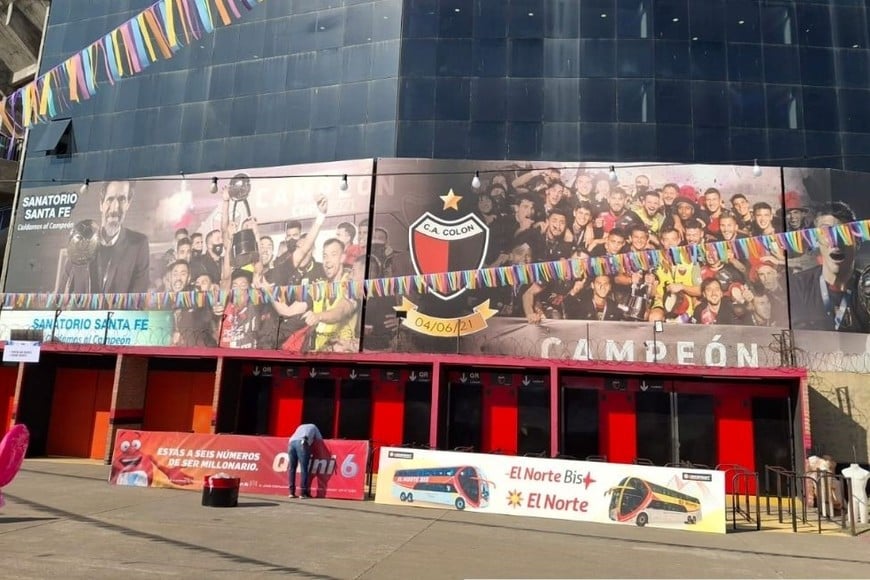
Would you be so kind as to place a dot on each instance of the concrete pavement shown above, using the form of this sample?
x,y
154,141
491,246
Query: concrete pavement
x,y
62,519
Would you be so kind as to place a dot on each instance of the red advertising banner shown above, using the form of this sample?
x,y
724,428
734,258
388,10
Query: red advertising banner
x,y
183,460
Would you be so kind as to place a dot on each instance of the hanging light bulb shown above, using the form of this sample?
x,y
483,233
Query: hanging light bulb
x,y
756,170
342,185
214,185
84,188
612,174
475,181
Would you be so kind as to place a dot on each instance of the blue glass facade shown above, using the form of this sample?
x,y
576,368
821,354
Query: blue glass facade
x,y
787,82
636,80
291,82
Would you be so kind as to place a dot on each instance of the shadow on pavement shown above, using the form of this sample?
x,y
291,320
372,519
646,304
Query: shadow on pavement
x,y
269,566
22,520
250,504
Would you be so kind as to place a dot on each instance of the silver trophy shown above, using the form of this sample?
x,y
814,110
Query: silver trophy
x,y
245,249
81,251
639,301
84,240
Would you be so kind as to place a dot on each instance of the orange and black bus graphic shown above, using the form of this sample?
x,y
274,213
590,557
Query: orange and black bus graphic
x,y
457,486
637,500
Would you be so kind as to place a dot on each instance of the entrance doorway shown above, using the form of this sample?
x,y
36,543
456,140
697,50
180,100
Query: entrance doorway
x,y
461,413
773,433
318,405
80,413
417,413
654,427
661,421
355,409
580,423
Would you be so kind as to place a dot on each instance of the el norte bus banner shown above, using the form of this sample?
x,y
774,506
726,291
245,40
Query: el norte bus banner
x,y
183,460
614,493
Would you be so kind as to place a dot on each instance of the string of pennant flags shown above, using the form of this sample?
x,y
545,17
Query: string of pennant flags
x,y
751,248
156,33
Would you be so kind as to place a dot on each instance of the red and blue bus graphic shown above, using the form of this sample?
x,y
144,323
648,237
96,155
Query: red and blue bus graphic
x,y
638,500
456,486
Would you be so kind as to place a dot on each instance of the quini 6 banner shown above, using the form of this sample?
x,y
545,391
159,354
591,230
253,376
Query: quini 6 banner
x,y
183,460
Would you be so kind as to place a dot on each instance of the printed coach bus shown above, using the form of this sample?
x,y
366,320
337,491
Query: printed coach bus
x,y
457,486
644,502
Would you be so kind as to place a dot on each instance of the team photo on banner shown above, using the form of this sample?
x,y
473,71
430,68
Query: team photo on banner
x,y
166,255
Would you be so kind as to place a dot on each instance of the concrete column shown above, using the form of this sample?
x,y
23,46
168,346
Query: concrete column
x,y
218,379
128,398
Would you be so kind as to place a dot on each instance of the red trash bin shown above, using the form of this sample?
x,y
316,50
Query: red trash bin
x,y
220,491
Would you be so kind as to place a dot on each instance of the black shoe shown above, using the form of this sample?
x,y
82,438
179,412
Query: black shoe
x,y
305,496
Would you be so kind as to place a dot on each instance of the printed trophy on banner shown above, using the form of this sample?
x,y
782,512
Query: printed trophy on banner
x,y
245,250
640,299
81,250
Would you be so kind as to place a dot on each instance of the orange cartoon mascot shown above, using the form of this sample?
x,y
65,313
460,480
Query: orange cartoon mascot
x,y
132,467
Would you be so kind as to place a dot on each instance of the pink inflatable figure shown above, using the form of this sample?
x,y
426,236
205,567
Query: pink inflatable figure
x,y
12,450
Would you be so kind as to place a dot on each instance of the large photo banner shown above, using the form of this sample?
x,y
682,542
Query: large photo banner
x,y
429,219
675,498
829,286
262,229
183,460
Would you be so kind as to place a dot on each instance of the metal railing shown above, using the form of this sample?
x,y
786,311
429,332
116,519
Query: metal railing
x,y
744,484
792,487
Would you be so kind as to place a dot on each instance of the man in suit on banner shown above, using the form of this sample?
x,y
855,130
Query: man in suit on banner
x,y
121,260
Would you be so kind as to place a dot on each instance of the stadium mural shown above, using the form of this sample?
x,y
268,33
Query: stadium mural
x,y
543,259
154,262
429,219
829,286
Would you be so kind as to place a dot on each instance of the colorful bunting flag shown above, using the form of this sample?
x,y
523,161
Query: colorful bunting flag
x,y
157,32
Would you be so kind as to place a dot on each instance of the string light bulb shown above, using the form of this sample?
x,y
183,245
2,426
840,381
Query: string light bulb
x,y
612,175
342,185
756,169
475,181
84,188
214,185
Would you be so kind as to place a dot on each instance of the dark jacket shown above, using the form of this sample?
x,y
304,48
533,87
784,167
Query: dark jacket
x,y
122,268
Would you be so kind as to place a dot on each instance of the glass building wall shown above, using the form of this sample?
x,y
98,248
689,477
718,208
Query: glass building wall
x,y
292,81
637,80
783,81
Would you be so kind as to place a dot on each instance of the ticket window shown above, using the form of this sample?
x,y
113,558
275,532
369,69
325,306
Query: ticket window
x,y
318,405
580,422
417,413
355,410
461,414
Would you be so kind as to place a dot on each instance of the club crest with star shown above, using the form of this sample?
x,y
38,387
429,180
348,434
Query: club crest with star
x,y
440,244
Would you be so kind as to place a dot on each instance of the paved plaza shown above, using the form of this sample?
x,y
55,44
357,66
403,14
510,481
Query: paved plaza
x,y
63,520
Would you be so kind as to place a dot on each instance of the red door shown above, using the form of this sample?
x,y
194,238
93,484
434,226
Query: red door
x,y
618,426
79,413
500,413
179,401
